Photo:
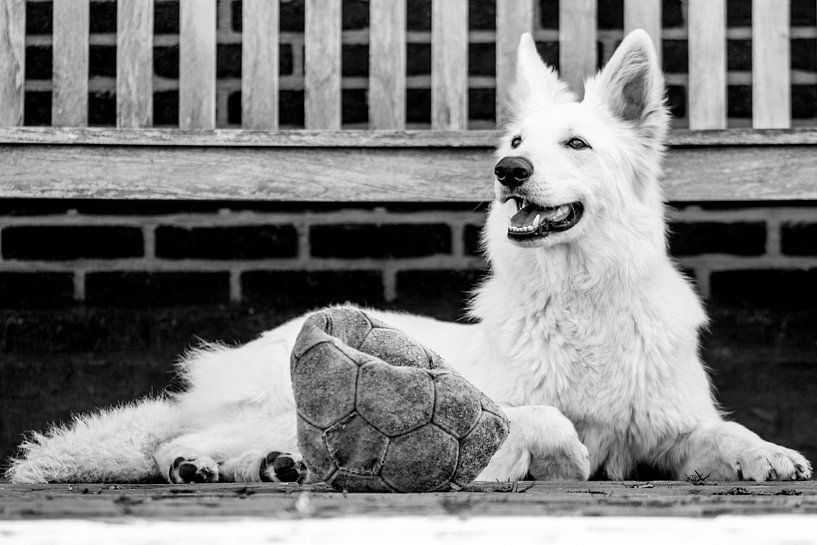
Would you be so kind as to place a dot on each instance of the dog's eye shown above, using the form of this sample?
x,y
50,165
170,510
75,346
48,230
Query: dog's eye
x,y
516,141
577,143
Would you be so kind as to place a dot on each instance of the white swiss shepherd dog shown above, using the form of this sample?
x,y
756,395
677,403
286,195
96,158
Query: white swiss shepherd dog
x,y
587,334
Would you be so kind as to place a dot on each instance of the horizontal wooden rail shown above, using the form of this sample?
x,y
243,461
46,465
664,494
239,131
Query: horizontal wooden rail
x,y
362,166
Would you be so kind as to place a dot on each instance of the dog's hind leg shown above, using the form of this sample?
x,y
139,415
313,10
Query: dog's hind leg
x,y
542,444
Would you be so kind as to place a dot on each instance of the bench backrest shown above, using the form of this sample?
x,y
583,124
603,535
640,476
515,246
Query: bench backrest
x,y
771,161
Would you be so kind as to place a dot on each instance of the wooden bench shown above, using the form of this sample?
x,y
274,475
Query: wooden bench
x,y
446,163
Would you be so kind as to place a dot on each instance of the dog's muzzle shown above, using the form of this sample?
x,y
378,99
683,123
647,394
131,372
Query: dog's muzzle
x,y
513,171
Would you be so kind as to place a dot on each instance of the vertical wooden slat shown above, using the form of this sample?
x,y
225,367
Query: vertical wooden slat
x,y
513,18
134,63
12,61
707,64
69,106
577,42
449,64
197,64
771,90
387,64
644,14
322,36
259,65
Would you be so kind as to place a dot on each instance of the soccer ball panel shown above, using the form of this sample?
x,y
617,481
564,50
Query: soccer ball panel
x,y
395,348
344,480
457,406
394,399
477,448
420,461
356,446
324,379
314,451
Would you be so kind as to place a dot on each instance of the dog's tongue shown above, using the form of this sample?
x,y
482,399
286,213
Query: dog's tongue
x,y
526,216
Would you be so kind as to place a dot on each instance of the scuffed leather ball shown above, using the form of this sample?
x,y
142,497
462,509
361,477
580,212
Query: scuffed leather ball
x,y
379,412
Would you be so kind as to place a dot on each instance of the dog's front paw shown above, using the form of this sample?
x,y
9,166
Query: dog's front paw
x,y
282,467
568,459
728,451
193,470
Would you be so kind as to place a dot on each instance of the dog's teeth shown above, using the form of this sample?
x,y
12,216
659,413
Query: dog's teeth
x,y
535,224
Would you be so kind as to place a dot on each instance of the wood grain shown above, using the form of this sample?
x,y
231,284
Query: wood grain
x,y
513,18
449,64
771,69
364,174
197,64
577,42
134,64
12,61
69,104
387,64
322,37
361,139
707,64
259,64
644,14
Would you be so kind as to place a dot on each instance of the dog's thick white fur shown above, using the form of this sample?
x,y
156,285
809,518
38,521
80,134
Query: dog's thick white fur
x,y
588,337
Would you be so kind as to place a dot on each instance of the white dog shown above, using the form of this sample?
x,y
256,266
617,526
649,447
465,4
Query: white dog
x,y
587,333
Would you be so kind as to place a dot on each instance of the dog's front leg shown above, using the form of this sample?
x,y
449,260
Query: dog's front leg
x,y
542,444
728,451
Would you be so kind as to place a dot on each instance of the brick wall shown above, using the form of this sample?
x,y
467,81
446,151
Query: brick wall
x,y
482,83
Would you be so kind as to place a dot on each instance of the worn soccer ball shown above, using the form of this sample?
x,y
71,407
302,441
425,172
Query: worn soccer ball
x,y
379,412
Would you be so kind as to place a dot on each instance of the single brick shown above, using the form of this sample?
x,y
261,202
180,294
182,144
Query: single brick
x,y
38,62
312,288
371,240
166,61
37,108
39,17
291,108
36,290
166,17
739,55
482,59
798,238
549,14
154,289
418,105
804,54
355,60
672,13
675,56
738,13
677,100
803,13
804,101
102,17
71,242
355,14
765,288
740,238
102,60
739,101
424,287
481,15
610,14
482,104
228,61
418,58
472,235
166,108
418,14
250,242
102,108
354,106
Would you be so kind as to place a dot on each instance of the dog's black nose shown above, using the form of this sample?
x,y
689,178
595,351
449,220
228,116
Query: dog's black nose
x,y
513,171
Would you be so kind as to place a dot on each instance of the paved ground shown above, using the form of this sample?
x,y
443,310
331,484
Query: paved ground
x,y
290,501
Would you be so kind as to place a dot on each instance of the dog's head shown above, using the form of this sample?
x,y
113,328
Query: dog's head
x,y
575,172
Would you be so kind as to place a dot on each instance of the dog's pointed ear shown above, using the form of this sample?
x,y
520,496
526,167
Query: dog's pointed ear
x,y
631,86
536,83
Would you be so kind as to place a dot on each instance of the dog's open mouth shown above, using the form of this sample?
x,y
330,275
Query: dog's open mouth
x,y
533,221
